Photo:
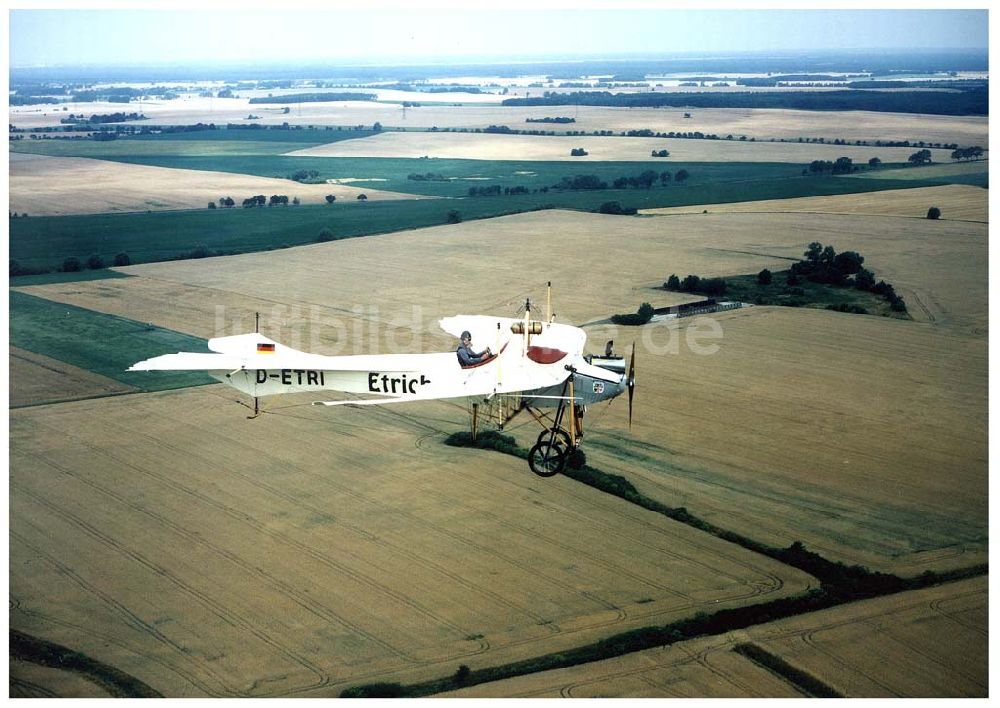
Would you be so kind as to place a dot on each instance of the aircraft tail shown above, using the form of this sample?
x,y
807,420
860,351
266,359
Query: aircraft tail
x,y
240,351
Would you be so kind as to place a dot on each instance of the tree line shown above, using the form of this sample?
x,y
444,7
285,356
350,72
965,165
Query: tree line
x,y
121,117
315,98
971,102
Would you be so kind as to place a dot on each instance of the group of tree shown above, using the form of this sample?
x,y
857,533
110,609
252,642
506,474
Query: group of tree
x,y
581,182
969,153
557,119
660,153
304,175
578,152
843,166
822,264
617,209
644,180
643,315
922,157
696,284
71,265
494,190
73,119
260,200
647,178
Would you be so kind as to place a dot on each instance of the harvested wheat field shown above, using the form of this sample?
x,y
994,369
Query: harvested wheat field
x,y
479,146
38,379
52,186
928,643
207,555
956,202
863,437
480,111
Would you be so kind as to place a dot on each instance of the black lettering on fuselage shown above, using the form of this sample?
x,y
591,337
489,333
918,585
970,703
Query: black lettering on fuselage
x,y
383,383
295,377
261,376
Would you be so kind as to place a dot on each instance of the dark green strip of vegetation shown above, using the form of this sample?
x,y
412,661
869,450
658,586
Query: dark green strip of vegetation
x,y
957,103
314,97
803,681
104,344
38,651
21,281
839,584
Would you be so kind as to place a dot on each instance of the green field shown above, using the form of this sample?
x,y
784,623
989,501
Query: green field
x,y
45,242
976,173
189,143
104,344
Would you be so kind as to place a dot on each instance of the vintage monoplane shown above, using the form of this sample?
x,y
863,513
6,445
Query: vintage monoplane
x,y
534,364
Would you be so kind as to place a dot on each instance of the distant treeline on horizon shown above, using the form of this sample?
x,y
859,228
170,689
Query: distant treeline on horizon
x,y
875,62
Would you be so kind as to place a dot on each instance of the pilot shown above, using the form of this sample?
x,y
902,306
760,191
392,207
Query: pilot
x,y
467,357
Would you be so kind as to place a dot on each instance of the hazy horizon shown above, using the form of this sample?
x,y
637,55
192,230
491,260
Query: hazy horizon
x,y
162,38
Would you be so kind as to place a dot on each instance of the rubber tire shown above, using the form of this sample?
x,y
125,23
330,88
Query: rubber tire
x,y
547,467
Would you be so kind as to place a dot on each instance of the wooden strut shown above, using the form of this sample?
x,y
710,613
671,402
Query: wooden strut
x,y
475,421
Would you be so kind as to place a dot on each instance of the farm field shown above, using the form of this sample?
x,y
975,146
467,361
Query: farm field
x,y
167,235
922,423
480,146
957,202
49,186
916,645
35,379
761,124
779,459
327,551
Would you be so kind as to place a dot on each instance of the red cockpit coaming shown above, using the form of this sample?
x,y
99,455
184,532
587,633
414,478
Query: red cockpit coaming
x,y
545,355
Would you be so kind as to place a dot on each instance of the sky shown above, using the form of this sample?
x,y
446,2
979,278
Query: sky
x,y
185,35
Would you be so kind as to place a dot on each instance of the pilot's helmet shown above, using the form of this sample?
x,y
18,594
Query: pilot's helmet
x,y
466,335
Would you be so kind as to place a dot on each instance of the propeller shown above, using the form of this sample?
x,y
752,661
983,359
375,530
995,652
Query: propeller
x,y
630,382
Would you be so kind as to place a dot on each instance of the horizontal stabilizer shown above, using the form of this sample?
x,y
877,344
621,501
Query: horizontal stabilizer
x,y
187,361
240,351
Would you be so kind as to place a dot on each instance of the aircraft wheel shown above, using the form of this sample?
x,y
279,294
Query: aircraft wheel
x,y
546,459
562,437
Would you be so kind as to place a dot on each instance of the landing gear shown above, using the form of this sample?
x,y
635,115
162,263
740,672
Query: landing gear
x,y
556,447
547,458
